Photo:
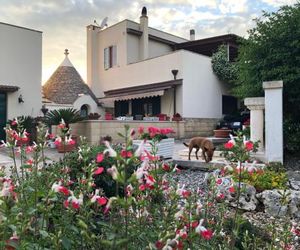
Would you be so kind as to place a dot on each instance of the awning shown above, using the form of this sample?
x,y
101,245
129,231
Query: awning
x,y
8,88
109,101
136,92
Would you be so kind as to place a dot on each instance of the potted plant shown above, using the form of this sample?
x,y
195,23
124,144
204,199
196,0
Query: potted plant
x,y
63,118
108,116
94,116
162,117
177,117
158,136
222,132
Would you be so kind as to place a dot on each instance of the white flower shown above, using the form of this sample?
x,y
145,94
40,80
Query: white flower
x,y
140,149
110,150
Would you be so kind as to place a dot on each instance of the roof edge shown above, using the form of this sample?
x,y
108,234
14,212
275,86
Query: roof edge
x,y
21,27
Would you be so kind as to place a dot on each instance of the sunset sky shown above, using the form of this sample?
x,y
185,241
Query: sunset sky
x,y
64,22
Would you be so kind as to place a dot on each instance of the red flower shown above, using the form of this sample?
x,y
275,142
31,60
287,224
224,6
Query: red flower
x,y
159,245
126,154
98,171
231,189
99,157
132,132
102,201
66,203
61,125
142,187
195,224
75,205
207,234
29,162
221,196
166,167
63,190
13,123
249,145
229,145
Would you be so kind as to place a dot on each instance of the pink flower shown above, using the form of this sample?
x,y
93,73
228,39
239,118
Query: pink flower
x,y
63,190
71,142
29,162
221,196
98,170
132,132
66,203
57,141
14,122
141,130
29,149
142,187
99,157
248,145
219,181
229,145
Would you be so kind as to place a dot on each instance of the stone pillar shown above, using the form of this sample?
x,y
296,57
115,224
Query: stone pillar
x,y
273,121
256,106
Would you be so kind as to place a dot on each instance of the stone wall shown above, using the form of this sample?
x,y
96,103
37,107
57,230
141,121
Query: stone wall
x,y
93,130
199,127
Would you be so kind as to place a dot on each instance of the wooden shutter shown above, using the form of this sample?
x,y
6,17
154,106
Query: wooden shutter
x,y
114,55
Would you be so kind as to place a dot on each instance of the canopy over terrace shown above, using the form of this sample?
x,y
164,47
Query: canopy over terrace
x,y
140,100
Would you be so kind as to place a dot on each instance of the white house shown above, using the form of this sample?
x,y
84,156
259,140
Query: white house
x,y
66,89
138,70
20,72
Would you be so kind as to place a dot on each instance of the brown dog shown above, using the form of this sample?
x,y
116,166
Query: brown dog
x,y
206,146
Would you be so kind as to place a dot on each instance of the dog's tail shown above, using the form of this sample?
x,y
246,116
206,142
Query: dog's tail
x,y
185,144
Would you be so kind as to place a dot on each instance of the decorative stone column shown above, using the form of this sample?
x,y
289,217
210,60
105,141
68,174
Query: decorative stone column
x,y
256,106
273,120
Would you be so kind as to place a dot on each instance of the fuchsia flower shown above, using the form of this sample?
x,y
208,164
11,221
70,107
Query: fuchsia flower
x,y
219,181
204,232
7,188
183,192
58,188
71,142
98,170
29,162
75,203
99,158
166,167
100,199
58,141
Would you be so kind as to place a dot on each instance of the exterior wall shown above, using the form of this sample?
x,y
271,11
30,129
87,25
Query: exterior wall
x,y
202,91
158,49
18,46
167,103
93,130
92,106
148,71
133,48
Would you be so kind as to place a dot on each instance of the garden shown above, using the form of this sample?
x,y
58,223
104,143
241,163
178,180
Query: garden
x,y
126,197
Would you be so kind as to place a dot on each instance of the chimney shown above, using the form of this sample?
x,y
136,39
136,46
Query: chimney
x,y
144,40
192,34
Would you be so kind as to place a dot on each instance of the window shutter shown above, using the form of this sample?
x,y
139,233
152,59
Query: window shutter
x,y
114,55
106,58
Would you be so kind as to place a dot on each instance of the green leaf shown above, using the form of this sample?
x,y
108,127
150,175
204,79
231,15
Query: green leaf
x,y
67,244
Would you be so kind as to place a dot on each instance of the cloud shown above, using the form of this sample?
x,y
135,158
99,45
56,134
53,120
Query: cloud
x,y
277,3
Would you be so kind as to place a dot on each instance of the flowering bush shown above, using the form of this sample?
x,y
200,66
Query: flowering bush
x,y
47,206
154,133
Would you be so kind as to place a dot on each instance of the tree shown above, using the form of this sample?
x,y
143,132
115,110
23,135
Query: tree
x,y
272,52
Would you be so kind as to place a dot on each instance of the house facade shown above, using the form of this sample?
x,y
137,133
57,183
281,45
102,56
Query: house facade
x,y
20,81
138,70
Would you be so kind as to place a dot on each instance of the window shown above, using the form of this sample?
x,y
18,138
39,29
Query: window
x,y
110,57
84,111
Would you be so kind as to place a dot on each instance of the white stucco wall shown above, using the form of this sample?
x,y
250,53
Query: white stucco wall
x,y
92,106
202,91
21,65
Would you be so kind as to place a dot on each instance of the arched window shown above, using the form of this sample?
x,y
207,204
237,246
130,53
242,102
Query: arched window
x,y
84,111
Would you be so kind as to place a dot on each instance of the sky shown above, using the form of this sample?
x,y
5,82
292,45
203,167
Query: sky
x,y
64,22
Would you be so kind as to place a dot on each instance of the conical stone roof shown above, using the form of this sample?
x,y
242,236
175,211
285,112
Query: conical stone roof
x,y
66,85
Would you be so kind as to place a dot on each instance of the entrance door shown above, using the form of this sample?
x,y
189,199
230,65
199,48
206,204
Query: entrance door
x,y
2,115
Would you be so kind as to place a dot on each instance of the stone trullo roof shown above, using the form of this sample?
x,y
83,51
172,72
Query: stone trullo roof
x,y
66,85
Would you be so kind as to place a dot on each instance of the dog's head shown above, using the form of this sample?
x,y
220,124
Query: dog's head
x,y
209,153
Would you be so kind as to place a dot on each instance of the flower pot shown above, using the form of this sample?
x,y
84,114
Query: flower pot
x,y
222,133
165,147
65,148
108,117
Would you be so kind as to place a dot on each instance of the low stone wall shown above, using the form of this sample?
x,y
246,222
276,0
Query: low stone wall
x,y
93,130
199,127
